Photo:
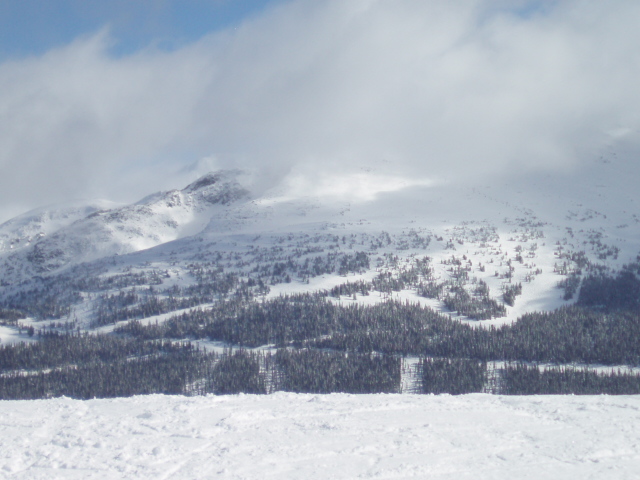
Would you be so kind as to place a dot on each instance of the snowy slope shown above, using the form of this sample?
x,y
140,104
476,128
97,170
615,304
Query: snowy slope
x,y
156,219
525,228
518,229
26,229
289,436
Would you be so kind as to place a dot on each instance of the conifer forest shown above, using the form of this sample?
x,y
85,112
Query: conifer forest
x,y
311,342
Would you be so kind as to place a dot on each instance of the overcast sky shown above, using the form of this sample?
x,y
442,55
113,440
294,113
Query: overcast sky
x,y
115,99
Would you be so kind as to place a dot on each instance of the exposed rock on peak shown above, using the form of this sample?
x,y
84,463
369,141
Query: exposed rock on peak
x,y
210,178
217,187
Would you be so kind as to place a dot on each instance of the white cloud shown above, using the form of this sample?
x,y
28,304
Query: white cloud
x,y
436,89
357,187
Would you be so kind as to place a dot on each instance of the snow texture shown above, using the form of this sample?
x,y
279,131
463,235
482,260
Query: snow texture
x,y
292,436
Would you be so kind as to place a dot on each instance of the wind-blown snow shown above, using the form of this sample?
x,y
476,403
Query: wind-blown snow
x,y
290,436
28,228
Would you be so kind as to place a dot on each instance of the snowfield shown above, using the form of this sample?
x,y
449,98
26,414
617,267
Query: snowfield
x,y
294,436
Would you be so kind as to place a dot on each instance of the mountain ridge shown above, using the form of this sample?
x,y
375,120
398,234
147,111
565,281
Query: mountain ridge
x,y
94,233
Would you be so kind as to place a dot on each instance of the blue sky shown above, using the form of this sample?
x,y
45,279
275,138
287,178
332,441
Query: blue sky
x,y
32,27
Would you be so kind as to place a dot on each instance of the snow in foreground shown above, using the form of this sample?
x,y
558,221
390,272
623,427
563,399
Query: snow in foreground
x,y
323,436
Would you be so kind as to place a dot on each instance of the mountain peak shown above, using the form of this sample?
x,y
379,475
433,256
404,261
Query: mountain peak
x,y
212,178
217,187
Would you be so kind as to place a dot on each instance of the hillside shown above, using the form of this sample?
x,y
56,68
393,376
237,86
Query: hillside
x,y
533,230
51,240
526,268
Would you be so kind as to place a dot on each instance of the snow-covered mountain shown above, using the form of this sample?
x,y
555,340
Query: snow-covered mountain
x,y
393,284
46,241
538,230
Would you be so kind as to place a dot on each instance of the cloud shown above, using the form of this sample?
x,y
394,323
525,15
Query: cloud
x,y
434,90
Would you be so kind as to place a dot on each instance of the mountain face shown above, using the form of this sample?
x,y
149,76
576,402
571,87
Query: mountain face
x,y
325,276
490,252
46,241
313,276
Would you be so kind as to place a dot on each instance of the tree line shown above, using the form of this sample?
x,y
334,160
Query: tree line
x,y
182,368
569,334
523,379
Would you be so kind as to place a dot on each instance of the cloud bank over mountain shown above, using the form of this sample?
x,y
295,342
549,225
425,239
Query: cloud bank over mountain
x,y
432,90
